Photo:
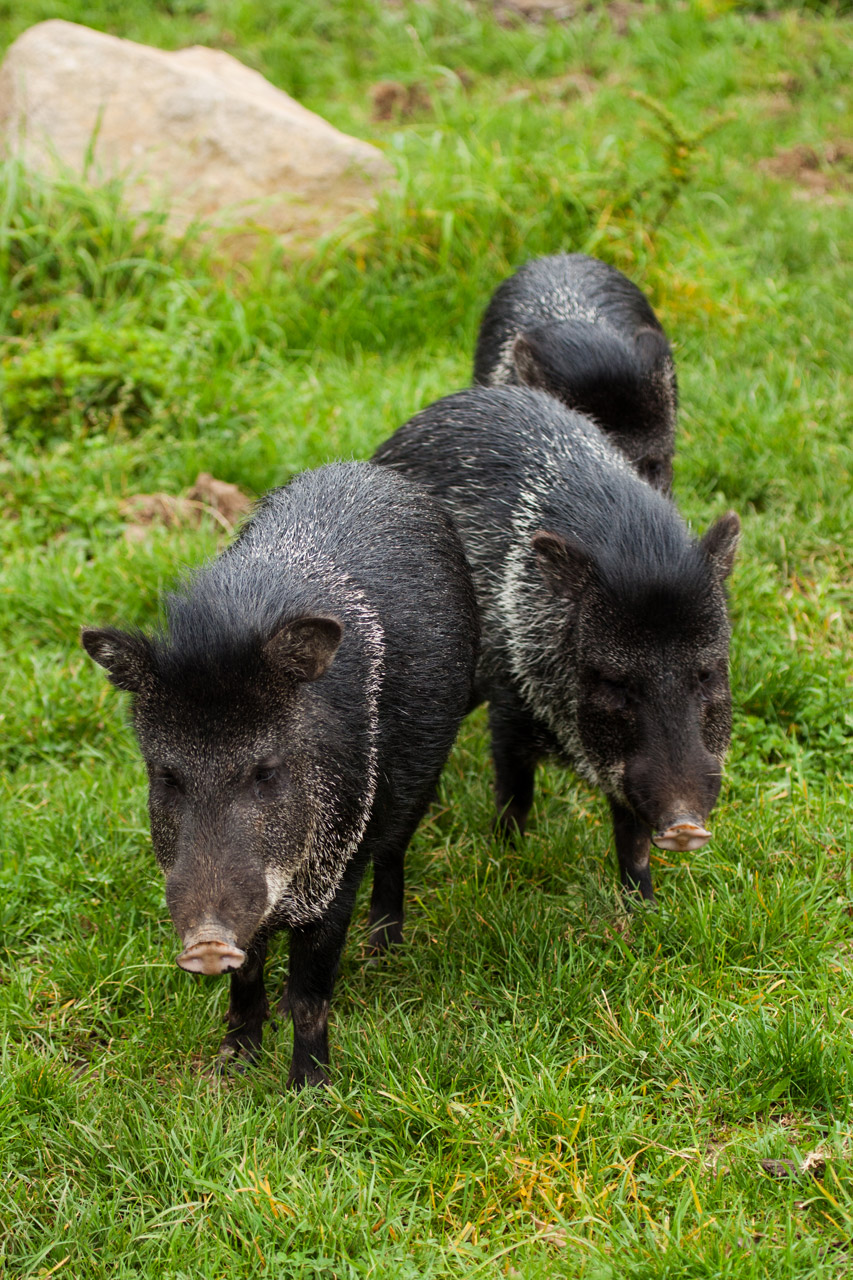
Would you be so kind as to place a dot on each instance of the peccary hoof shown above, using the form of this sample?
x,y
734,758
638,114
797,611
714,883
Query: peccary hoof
x,y
386,934
315,1077
509,825
237,1054
635,897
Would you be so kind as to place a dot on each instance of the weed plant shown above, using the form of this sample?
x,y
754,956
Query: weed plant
x,y
537,1084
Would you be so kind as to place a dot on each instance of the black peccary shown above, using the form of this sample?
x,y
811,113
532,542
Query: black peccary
x,y
579,329
604,627
294,721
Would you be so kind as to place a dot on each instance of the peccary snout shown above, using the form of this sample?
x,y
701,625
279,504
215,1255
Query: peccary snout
x,y
683,835
210,949
216,883
674,790
216,905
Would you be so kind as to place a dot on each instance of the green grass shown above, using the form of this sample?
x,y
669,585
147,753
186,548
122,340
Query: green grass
x,y
536,1085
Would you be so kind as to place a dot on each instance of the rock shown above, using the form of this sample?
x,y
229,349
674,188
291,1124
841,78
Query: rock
x,y
194,131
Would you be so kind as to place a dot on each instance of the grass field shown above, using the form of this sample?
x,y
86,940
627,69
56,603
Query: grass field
x,y
536,1084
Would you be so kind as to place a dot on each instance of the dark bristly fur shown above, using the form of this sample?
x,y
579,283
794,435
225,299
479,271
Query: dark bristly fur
x,y
295,716
604,626
579,329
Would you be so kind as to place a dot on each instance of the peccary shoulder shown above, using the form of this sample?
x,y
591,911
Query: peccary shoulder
x,y
579,329
294,715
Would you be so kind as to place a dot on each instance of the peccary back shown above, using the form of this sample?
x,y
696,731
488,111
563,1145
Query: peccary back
x,y
294,717
604,626
579,329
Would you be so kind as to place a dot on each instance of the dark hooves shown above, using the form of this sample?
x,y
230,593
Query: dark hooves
x,y
236,1057
508,825
634,898
382,938
316,1078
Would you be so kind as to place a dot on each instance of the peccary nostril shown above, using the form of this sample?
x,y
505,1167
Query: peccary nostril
x,y
212,954
682,836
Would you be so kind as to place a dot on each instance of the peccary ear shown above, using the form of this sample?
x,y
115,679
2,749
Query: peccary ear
x,y
720,544
652,348
564,565
126,658
305,647
531,361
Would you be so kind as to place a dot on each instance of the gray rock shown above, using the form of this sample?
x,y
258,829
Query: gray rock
x,y
194,131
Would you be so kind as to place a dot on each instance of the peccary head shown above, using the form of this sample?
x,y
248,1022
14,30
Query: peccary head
x,y
237,751
628,388
651,708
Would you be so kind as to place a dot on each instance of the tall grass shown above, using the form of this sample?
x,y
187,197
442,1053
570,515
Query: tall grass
x,y
536,1084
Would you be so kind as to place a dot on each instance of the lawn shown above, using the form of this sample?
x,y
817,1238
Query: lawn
x,y
537,1084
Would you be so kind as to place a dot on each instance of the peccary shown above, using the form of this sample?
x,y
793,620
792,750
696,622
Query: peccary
x,y
579,329
294,720
604,627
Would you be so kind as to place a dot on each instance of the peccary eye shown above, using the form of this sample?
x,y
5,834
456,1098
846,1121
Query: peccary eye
x,y
168,780
707,681
615,695
265,780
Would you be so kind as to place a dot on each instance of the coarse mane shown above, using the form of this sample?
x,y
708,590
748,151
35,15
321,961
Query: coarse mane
x,y
654,573
219,620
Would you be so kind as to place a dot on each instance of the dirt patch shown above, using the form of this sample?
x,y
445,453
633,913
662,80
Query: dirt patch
x,y
208,498
818,171
512,13
567,88
576,84
813,1165
534,10
788,83
774,104
391,100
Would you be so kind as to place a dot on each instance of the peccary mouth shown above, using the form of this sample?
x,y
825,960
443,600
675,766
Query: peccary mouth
x,y
210,950
682,836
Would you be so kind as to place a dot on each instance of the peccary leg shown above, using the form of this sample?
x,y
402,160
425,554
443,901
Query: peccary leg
x,y
633,841
315,953
386,902
515,750
248,1009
